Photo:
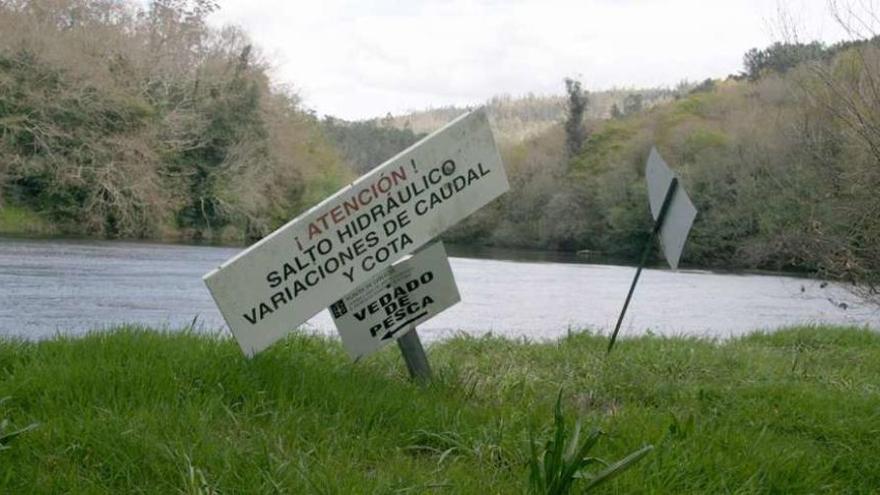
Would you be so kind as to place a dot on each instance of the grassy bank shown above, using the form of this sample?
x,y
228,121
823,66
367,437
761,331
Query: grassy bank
x,y
15,220
797,411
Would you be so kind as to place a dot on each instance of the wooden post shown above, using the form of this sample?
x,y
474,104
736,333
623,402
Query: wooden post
x,y
414,355
658,224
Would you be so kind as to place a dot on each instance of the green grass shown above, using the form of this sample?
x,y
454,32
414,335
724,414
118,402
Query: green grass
x,y
21,221
797,411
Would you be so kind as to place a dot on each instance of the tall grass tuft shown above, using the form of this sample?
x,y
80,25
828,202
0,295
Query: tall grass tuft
x,y
562,462
7,434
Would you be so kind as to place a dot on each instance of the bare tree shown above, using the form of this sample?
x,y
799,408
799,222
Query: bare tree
x,y
842,93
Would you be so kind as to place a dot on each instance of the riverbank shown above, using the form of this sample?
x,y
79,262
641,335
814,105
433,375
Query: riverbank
x,y
17,221
795,411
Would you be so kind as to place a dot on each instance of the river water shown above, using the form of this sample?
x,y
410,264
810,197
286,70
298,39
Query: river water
x,y
64,286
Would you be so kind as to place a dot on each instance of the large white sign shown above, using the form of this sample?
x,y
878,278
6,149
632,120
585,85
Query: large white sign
x,y
407,293
298,270
681,213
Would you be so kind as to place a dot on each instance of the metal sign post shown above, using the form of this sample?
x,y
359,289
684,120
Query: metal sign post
x,y
414,354
658,224
673,217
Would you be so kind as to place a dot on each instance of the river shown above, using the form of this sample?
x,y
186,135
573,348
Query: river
x,y
67,286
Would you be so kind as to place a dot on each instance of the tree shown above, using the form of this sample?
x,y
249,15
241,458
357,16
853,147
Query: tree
x,y
780,57
615,111
632,103
365,144
574,121
138,119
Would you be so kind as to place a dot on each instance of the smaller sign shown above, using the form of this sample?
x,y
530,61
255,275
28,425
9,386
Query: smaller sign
x,y
681,213
391,304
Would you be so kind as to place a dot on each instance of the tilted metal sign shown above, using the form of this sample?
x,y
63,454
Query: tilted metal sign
x,y
680,216
407,293
303,267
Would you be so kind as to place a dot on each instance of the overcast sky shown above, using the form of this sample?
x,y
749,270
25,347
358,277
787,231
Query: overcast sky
x,y
359,59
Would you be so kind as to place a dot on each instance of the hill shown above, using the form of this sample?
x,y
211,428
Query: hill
x,y
781,162
120,120
515,119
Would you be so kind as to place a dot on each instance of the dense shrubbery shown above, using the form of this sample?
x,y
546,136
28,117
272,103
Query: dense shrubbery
x,y
122,121
785,172
365,144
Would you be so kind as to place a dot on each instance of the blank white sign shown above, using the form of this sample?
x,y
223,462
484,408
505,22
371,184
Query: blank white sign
x,y
681,213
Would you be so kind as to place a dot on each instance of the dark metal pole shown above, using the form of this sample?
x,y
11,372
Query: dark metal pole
x,y
414,354
658,224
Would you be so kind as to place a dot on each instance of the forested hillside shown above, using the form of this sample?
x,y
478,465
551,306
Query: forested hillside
x,y
515,119
123,120
783,163
365,144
